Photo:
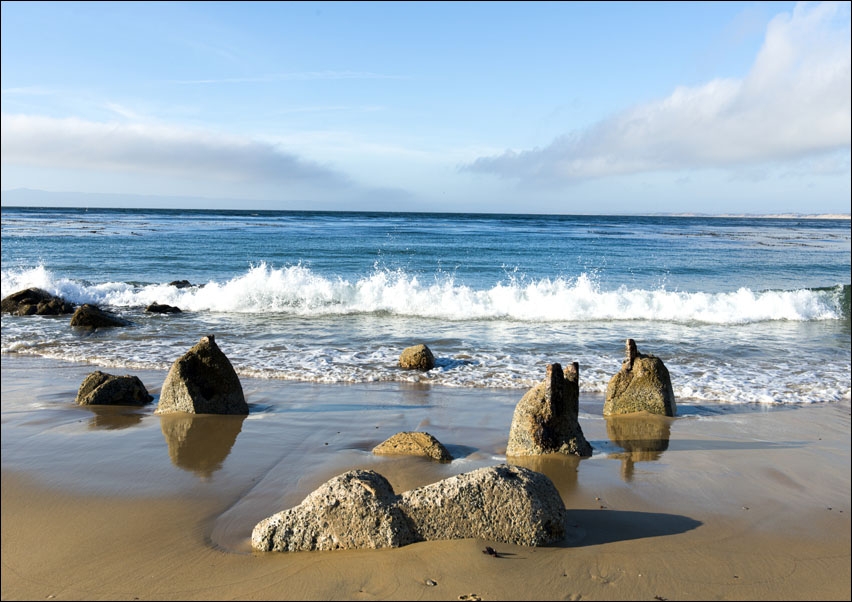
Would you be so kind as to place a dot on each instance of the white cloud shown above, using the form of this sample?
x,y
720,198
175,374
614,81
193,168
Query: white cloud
x,y
156,149
792,106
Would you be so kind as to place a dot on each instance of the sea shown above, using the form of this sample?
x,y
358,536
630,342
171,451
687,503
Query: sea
x,y
742,310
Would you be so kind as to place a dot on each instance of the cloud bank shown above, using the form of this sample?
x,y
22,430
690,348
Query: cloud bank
x,y
792,107
157,149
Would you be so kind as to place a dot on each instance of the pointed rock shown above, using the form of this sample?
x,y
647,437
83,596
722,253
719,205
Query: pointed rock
x,y
642,384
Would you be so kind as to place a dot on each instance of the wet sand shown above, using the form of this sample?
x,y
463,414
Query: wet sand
x,y
120,504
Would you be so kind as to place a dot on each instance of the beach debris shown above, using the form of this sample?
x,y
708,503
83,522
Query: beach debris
x,y
642,384
546,418
491,552
100,388
470,597
359,509
202,381
92,316
162,308
417,357
35,302
431,582
414,443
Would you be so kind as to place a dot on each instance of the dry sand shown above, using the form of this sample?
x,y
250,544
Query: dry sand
x,y
118,504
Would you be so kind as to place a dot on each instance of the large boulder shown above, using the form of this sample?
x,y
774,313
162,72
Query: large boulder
x,y
35,301
202,381
92,316
546,418
417,357
642,385
100,388
359,509
414,443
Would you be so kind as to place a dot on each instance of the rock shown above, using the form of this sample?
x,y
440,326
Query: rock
x,y
359,509
202,381
546,418
417,357
35,301
642,384
159,308
180,283
92,316
414,443
508,504
100,388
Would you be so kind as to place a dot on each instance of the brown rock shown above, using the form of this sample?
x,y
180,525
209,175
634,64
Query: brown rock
x,y
642,384
417,357
414,443
100,388
35,301
92,316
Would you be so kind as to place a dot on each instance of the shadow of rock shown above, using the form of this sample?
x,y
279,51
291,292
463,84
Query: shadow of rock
x,y
598,527
200,443
113,417
559,468
643,437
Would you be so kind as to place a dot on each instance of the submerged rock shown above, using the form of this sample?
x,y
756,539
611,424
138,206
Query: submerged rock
x,y
417,357
161,308
642,385
100,388
92,316
546,418
414,443
35,301
202,381
359,509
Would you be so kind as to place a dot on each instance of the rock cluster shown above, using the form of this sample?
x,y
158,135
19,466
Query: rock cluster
x,y
35,301
359,509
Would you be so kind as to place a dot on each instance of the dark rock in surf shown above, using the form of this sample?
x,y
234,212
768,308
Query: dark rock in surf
x,y
35,302
161,308
417,357
642,385
100,388
202,381
546,418
180,283
92,316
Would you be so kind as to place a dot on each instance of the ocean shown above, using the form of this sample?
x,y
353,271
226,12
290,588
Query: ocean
x,y
741,310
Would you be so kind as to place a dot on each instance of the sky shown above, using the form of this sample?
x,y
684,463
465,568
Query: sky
x,y
495,107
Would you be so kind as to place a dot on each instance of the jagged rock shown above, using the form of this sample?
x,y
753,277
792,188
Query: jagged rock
x,y
202,381
414,443
35,301
160,308
100,388
546,418
642,384
508,504
92,316
417,357
359,509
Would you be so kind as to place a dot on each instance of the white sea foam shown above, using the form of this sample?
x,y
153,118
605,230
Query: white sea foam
x,y
297,290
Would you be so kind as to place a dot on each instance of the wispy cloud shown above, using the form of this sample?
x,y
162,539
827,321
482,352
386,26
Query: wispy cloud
x,y
793,105
157,149
296,76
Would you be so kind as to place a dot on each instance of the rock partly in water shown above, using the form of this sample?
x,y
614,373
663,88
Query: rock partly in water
x,y
642,385
100,388
546,418
35,301
202,381
417,357
92,316
180,283
414,443
161,308
359,509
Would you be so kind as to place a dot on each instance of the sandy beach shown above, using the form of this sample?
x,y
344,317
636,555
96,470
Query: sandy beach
x,y
719,503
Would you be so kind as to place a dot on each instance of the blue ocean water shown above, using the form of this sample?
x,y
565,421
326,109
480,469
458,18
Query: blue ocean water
x,y
741,310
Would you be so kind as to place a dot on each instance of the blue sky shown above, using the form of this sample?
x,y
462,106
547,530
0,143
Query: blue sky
x,y
575,107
